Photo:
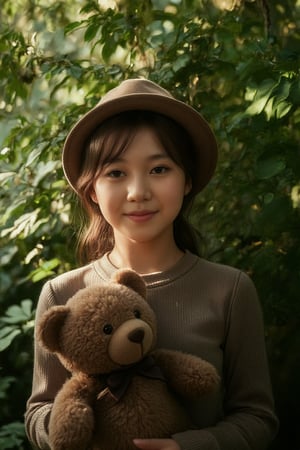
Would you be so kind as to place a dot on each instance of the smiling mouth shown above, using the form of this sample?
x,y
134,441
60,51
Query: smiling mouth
x,y
141,216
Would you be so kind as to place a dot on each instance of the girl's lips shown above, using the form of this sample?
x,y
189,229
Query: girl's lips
x,y
140,216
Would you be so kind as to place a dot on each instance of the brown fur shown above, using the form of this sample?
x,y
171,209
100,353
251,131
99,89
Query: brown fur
x,y
100,330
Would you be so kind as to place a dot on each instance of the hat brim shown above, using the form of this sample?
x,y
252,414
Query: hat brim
x,y
200,132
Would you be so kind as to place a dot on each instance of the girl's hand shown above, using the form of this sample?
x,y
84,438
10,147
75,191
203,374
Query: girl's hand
x,y
156,444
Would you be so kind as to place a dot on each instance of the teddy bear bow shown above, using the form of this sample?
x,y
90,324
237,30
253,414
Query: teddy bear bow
x,y
117,382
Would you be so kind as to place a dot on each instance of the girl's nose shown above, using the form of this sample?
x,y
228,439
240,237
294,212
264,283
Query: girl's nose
x,y
138,190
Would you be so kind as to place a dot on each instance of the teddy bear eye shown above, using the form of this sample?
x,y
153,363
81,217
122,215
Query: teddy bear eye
x,y
108,329
137,313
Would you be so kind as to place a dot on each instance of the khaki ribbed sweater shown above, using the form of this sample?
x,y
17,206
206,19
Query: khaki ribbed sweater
x,y
202,308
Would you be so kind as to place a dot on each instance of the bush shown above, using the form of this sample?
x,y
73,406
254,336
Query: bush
x,y
239,66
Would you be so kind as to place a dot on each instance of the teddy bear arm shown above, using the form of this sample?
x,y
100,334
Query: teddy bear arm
x,y
71,423
187,374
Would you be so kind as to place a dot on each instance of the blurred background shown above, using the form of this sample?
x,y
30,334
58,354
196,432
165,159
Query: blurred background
x,y
235,61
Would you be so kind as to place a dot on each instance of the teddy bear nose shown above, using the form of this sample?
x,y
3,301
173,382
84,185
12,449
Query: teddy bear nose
x,y
136,335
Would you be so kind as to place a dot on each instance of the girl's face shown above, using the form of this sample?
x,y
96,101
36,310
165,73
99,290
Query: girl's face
x,y
141,192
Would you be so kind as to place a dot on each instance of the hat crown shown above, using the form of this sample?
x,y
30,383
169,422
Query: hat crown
x,y
134,86
143,95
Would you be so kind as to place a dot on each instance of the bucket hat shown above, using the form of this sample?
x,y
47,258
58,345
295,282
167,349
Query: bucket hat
x,y
142,94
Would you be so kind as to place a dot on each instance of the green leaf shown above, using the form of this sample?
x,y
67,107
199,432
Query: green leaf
x,y
270,167
108,49
4,176
43,169
16,209
261,97
7,335
282,109
12,435
181,62
7,254
15,315
91,32
26,225
76,71
26,306
33,155
282,91
45,270
73,26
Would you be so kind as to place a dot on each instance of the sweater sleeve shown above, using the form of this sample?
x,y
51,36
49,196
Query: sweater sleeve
x,y
48,377
249,421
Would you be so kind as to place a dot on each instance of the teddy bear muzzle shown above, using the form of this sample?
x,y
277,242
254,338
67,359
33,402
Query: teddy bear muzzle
x,y
130,342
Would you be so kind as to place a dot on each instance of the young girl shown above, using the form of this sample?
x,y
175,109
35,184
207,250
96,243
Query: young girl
x,y
136,162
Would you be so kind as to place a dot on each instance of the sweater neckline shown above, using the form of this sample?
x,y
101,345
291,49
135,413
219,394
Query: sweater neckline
x,y
105,269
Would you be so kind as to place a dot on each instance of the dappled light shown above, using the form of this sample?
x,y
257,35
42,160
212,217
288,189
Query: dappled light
x,y
237,62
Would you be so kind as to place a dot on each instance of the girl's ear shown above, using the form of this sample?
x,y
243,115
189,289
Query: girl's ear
x,y
93,196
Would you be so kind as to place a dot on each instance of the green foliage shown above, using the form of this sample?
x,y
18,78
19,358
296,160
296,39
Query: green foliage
x,y
17,320
239,66
12,436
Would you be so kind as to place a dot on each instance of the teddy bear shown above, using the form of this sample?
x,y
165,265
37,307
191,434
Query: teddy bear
x,y
121,386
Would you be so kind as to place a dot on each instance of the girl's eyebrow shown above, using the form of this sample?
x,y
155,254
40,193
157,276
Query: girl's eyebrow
x,y
153,157
159,156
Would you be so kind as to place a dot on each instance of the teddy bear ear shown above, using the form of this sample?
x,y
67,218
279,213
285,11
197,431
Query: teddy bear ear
x,y
132,280
48,330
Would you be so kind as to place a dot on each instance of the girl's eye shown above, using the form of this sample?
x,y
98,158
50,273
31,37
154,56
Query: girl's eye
x,y
115,174
159,170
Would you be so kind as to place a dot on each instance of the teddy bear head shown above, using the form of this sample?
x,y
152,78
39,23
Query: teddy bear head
x,y
101,328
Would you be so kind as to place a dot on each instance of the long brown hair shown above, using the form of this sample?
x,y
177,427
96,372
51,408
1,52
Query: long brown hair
x,y
107,143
